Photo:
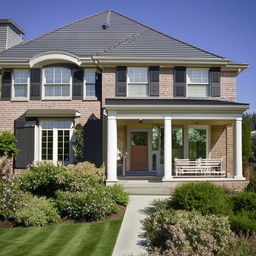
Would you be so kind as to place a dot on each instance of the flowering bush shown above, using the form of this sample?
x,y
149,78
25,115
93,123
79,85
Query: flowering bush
x,y
6,167
204,197
83,174
35,211
9,196
118,194
44,179
170,232
93,203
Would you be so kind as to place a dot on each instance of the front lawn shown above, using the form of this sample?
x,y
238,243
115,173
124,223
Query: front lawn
x,y
95,238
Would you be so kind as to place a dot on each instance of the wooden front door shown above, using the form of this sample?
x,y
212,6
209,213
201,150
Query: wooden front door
x,y
139,151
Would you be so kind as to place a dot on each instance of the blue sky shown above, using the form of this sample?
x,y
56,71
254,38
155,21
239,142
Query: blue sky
x,y
225,27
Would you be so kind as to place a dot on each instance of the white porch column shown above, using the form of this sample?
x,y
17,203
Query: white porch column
x,y
238,166
167,148
112,148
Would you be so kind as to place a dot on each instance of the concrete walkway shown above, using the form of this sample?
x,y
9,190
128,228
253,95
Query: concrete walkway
x,y
129,241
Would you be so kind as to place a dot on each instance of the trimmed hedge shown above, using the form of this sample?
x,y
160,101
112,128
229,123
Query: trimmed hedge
x,y
93,203
204,197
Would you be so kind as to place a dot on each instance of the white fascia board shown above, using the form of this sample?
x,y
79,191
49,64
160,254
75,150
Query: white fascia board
x,y
236,108
179,116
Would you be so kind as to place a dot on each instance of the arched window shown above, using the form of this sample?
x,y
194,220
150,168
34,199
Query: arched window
x,y
57,83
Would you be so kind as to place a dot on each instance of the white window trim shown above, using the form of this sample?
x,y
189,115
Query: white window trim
x,y
56,97
131,83
55,141
187,84
13,98
85,97
208,138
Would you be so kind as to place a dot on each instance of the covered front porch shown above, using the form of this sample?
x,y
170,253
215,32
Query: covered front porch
x,y
171,145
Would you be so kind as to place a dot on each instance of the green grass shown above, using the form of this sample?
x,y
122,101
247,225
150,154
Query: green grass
x,y
80,239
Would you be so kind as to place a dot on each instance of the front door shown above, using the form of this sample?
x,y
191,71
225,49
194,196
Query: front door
x,y
139,151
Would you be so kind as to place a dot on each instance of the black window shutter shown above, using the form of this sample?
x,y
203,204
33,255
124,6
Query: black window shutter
x,y
154,81
179,85
214,75
78,81
35,84
6,84
25,134
121,81
98,86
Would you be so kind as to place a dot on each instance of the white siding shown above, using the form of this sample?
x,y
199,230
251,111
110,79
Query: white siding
x,y
3,33
12,38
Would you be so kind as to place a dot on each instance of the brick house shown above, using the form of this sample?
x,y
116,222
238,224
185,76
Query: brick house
x,y
154,108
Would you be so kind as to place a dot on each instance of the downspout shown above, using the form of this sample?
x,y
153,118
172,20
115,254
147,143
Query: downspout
x,y
97,63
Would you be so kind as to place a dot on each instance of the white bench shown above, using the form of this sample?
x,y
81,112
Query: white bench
x,y
199,167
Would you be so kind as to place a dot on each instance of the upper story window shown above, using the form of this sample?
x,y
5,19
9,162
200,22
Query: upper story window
x,y
20,84
89,83
198,83
57,83
138,82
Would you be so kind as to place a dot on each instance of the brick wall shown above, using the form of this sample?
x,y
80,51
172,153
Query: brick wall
x,y
10,111
222,146
228,84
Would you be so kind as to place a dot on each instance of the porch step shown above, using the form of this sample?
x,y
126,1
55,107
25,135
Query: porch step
x,y
147,187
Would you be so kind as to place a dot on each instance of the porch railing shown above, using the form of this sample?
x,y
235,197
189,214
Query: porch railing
x,y
199,167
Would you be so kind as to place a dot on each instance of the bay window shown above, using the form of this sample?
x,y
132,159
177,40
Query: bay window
x,y
138,82
20,84
57,83
56,141
89,83
198,83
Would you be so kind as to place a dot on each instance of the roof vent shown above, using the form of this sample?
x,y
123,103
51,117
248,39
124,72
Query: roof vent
x,y
106,24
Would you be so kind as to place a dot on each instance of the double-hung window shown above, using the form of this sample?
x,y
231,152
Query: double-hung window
x,y
57,83
198,83
20,84
89,83
138,82
56,141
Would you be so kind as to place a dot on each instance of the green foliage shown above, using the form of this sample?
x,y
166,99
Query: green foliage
x,y
8,144
204,197
83,174
243,222
35,211
94,203
79,143
118,195
244,201
170,232
44,179
246,140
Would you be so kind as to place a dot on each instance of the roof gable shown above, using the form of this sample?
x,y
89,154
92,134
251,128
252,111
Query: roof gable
x,y
124,38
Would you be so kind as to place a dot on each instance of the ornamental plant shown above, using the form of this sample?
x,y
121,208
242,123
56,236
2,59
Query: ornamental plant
x,y
8,144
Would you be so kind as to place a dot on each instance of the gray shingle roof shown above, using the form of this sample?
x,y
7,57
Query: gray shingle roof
x,y
10,21
124,38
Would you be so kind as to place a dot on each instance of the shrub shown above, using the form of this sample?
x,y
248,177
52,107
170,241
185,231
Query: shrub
x,y
118,195
83,174
243,222
79,143
44,178
94,203
244,201
204,197
9,195
8,144
35,211
187,233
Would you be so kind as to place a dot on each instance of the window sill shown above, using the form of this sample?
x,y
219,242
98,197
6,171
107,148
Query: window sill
x,y
56,99
90,98
19,100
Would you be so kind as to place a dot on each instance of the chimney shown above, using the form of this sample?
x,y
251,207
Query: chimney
x,y
10,34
